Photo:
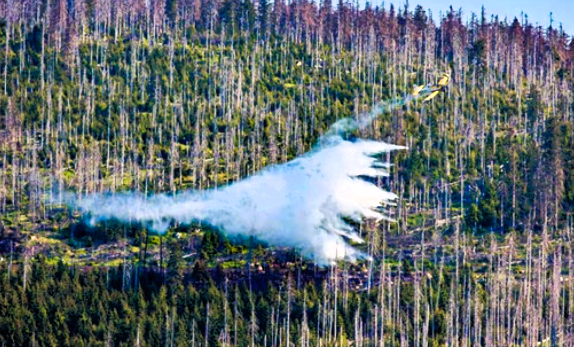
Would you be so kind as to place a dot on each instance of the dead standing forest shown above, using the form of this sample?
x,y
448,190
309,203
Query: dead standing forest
x,y
168,95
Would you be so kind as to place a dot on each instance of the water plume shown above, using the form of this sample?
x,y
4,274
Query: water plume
x,y
298,204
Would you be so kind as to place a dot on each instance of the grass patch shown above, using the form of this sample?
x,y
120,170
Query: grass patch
x,y
234,264
41,240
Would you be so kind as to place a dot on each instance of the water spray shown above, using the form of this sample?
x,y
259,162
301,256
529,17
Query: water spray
x,y
298,204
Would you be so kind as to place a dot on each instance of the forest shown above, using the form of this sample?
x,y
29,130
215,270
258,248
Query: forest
x,y
152,96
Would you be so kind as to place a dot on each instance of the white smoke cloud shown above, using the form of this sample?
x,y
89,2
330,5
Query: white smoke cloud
x,y
297,204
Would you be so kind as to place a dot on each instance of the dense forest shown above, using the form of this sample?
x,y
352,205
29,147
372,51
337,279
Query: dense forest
x,y
171,95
